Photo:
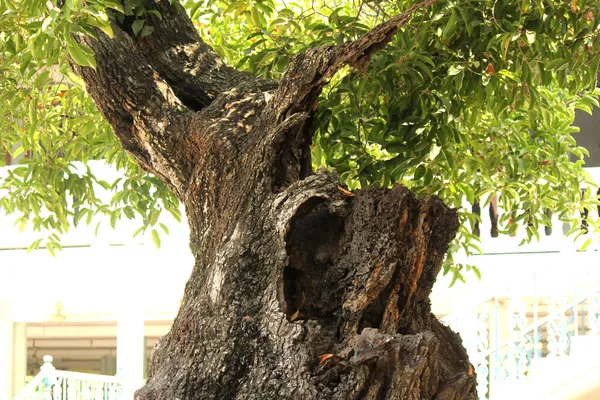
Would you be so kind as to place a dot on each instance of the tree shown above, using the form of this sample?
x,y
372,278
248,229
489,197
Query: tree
x,y
301,287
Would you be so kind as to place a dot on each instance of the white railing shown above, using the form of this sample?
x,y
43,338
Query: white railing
x,y
53,384
504,333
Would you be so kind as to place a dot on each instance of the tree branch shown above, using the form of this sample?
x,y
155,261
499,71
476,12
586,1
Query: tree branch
x,y
192,68
297,97
147,117
146,87
308,72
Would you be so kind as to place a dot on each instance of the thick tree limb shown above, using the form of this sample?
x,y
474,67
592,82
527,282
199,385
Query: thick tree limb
x,y
192,68
147,117
144,85
296,98
308,72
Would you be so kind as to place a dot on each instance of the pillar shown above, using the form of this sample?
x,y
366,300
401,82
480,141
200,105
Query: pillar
x,y
19,356
6,353
131,345
466,324
146,359
13,353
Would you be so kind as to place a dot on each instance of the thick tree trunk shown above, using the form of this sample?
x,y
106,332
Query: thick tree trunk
x,y
301,290
311,294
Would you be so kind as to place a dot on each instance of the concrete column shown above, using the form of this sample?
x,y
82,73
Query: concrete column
x,y
131,344
145,358
6,353
19,356
467,324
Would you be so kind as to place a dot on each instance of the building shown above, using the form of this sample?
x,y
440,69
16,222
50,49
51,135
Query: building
x,y
98,307
532,324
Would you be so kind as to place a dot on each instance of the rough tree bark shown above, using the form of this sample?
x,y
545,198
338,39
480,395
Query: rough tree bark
x,y
301,290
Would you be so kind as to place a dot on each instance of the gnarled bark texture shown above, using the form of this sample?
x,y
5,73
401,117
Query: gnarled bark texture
x,y
301,290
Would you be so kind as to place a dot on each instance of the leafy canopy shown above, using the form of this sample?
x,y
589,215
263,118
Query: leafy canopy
x,y
470,100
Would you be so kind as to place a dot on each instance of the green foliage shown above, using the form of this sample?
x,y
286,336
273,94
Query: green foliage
x,y
47,115
472,99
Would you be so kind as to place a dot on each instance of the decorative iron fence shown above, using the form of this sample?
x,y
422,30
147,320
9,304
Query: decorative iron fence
x,y
505,333
53,384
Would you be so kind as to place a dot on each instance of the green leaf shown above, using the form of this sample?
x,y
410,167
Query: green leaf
x,y
450,28
420,172
155,238
81,54
476,271
113,218
466,20
50,248
556,64
104,26
146,30
137,231
114,4
157,14
34,246
42,79
137,26
164,228
586,244
153,217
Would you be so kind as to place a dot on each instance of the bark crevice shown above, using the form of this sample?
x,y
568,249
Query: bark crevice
x,y
312,246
